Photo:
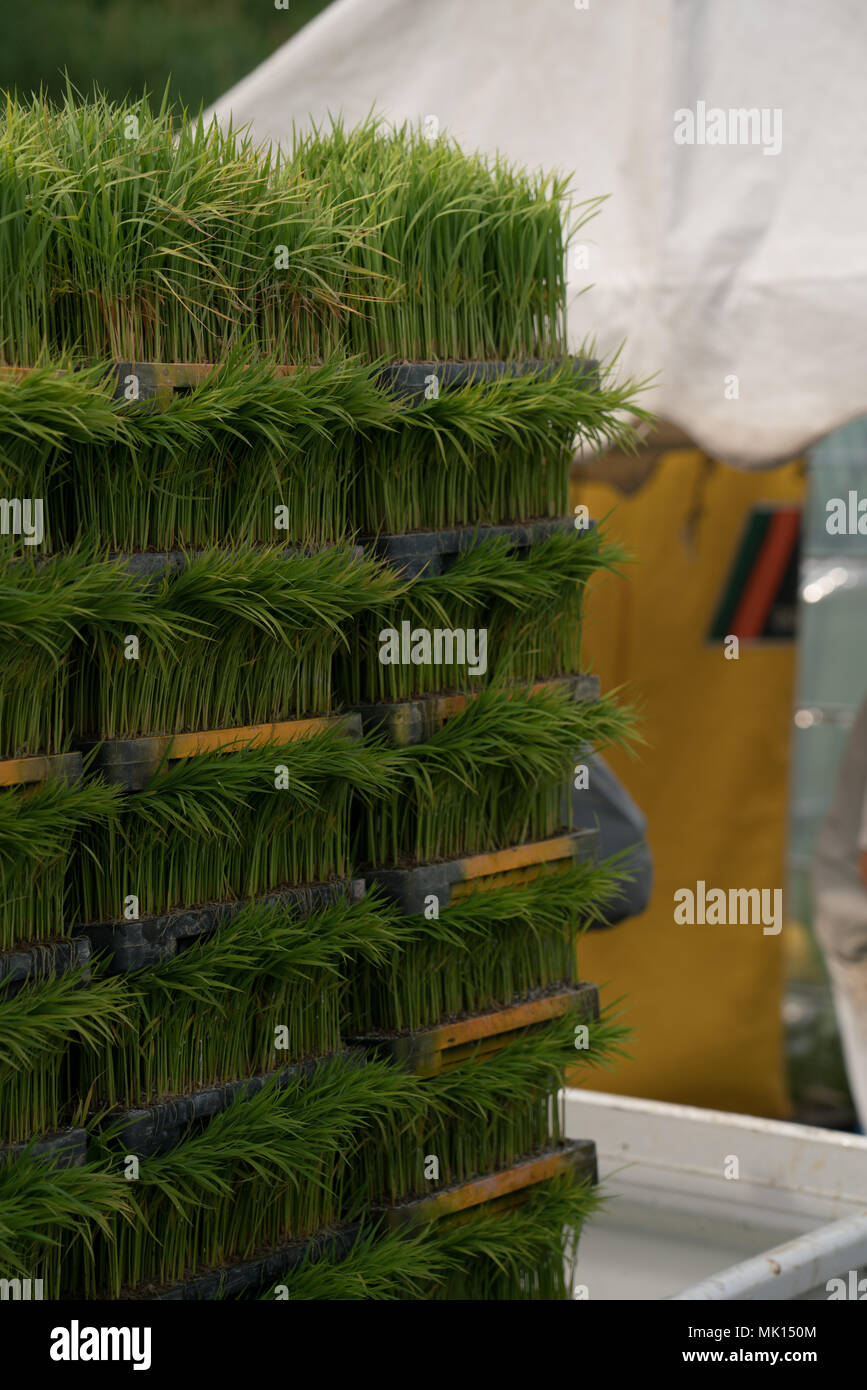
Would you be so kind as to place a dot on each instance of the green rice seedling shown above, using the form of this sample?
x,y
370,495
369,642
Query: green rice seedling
x,y
37,830
127,235
528,1253
47,416
232,638
488,453
45,611
469,257
323,451
489,950
529,603
40,1023
266,1170
235,637
484,1113
491,777
49,1217
381,1265
246,457
486,1253
211,1013
221,827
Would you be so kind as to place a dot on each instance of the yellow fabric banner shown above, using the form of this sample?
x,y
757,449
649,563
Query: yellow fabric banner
x,y
704,1000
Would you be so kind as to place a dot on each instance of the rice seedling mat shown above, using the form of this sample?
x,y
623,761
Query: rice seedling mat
x,y
20,772
575,1156
155,1129
451,879
132,945
132,762
427,1051
431,552
407,722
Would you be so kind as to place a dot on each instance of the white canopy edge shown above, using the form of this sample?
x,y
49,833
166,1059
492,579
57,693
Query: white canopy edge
x,y
734,268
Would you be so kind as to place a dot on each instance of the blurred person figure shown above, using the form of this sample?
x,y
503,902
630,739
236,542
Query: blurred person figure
x,y
605,805
840,906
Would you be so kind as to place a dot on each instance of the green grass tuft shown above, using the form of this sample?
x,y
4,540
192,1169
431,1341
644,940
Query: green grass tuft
x,y
37,831
127,235
51,1217
468,259
39,1025
529,602
233,638
221,827
527,1253
484,1113
492,776
487,951
209,1014
266,1170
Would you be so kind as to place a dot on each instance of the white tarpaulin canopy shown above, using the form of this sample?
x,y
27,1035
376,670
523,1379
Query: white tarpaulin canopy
x,y
731,135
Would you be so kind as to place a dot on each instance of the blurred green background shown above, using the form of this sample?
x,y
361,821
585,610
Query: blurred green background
x,y
124,46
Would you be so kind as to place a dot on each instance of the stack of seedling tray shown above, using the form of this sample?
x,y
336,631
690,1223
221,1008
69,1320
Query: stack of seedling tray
x,y
287,933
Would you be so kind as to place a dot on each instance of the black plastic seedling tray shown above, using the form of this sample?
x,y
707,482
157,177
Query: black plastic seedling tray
x,y
411,888
414,381
434,552
151,565
158,382
19,965
428,1051
132,945
132,762
405,722
65,1149
154,1129
251,1276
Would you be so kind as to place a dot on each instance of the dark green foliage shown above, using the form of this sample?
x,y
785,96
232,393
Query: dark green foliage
x,y
528,601
484,1113
491,949
44,609
221,827
209,1014
329,446
204,45
526,1253
39,1023
212,466
49,1217
233,638
264,1171
37,828
488,453
491,777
